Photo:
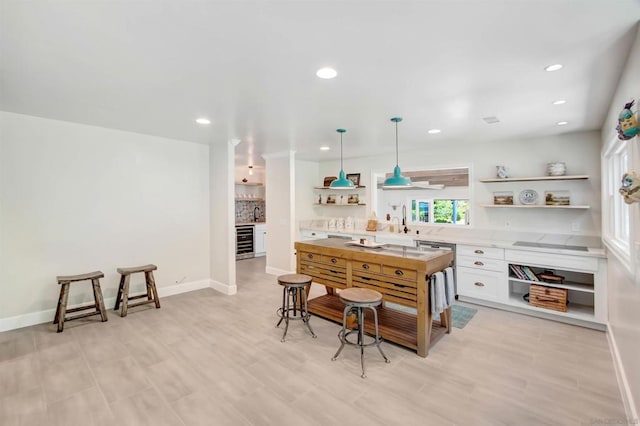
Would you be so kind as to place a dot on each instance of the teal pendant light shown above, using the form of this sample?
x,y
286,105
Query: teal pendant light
x,y
342,182
397,181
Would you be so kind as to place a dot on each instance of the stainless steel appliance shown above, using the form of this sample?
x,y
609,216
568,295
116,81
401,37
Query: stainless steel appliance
x,y
244,242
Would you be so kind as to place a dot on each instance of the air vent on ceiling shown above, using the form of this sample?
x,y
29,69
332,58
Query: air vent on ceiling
x,y
491,120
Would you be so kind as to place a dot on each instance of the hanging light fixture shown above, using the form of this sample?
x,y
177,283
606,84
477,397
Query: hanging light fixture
x,y
397,181
342,182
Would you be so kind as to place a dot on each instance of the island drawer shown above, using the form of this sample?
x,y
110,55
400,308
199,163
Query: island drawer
x,y
332,260
399,273
365,266
332,277
392,292
479,251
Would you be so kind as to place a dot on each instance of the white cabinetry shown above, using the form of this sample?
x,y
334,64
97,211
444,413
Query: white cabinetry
x,y
481,273
260,239
484,276
584,278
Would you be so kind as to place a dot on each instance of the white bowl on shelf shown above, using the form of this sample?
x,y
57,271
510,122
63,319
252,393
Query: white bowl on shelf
x,y
556,169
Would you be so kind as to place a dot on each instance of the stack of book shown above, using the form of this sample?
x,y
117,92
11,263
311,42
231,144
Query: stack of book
x,y
523,273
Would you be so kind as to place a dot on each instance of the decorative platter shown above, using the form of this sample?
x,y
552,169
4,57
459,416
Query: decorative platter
x,y
528,196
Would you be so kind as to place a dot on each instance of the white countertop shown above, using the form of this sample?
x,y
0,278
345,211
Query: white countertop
x,y
250,223
481,237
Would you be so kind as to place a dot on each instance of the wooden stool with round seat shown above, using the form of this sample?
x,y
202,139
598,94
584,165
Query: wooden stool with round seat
x,y
294,301
356,300
65,283
122,299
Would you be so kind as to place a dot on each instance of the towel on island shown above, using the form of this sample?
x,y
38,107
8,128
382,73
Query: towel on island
x,y
450,286
442,291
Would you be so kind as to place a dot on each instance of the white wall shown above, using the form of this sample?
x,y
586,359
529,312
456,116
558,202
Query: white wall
x,y
623,289
222,217
306,179
580,151
77,198
280,188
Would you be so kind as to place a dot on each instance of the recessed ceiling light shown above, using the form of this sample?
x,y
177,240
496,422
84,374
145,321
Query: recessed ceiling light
x,y
326,73
203,120
559,102
562,123
554,67
324,148
434,131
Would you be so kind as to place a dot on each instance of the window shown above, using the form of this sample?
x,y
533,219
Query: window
x,y
420,211
615,220
451,211
444,211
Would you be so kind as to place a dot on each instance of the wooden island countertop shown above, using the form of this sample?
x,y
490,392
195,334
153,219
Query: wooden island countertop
x,y
401,275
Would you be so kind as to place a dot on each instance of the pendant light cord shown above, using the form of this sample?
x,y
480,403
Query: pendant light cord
x,y
397,162
341,167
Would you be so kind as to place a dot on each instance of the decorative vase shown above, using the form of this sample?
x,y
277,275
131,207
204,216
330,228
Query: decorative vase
x,y
501,172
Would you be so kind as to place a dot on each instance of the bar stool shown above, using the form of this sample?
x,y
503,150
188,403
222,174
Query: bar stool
x,y
65,283
356,300
123,289
294,299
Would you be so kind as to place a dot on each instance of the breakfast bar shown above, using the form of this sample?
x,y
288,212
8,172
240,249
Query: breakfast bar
x,y
401,275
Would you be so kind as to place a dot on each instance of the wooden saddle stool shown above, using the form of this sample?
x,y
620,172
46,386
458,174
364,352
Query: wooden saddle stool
x,y
65,283
122,299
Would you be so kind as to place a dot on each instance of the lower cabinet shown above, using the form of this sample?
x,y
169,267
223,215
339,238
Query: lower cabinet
x,y
260,239
504,277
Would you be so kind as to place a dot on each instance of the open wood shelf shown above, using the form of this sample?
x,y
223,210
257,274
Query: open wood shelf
x,y
338,205
338,189
535,178
533,206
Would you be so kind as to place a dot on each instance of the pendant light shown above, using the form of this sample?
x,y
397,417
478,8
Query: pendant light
x,y
342,182
397,181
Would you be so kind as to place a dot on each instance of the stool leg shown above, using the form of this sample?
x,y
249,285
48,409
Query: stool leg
x,y
361,340
62,308
286,315
342,333
378,339
151,283
55,319
119,296
125,296
97,296
282,309
305,316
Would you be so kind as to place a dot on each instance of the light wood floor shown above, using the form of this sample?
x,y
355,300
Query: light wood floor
x,y
209,359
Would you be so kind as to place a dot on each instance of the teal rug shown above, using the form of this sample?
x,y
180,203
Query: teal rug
x,y
460,315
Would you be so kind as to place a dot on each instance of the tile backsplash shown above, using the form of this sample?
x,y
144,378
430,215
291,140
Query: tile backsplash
x,y
245,209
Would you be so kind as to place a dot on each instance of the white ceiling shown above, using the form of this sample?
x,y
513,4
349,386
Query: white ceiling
x,y
154,66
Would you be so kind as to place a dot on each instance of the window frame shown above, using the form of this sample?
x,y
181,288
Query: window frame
x,y
616,214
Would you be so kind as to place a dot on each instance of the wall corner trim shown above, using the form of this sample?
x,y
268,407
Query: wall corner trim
x,y
623,384
223,288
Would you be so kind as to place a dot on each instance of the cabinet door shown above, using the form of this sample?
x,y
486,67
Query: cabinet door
x,y
260,244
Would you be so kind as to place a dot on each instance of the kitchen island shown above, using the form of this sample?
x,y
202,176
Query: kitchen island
x,y
401,275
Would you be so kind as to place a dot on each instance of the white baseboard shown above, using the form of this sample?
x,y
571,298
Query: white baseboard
x,y
41,317
223,288
275,271
625,391
181,288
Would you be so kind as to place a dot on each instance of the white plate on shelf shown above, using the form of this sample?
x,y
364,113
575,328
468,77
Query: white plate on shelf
x,y
528,196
